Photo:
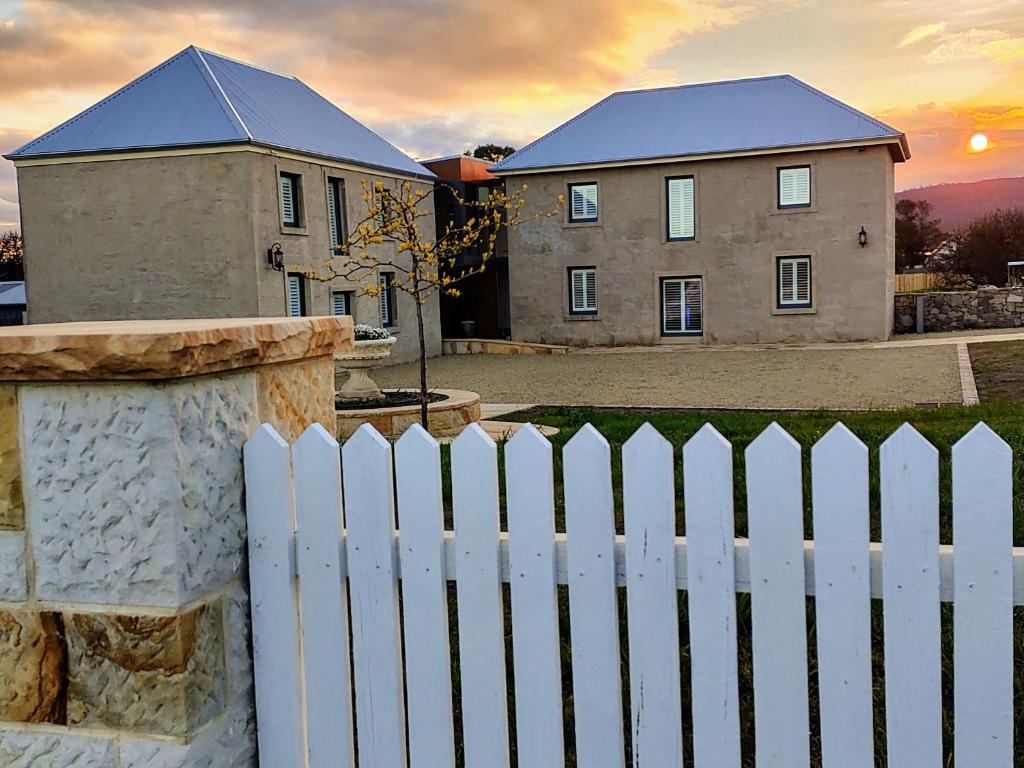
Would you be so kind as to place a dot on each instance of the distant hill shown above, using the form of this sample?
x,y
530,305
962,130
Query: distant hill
x,y
957,204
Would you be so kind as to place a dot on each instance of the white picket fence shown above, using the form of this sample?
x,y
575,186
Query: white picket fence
x,y
334,576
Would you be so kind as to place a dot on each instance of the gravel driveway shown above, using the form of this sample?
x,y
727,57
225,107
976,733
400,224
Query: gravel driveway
x,y
839,378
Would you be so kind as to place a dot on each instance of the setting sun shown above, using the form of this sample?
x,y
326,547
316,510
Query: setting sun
x,y
979,142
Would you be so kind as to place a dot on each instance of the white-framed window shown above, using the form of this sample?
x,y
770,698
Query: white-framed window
x,y
583,202
794,186
682,306
290,194
341,302
336,211
793,278
582,291
296,295
680,208
388,316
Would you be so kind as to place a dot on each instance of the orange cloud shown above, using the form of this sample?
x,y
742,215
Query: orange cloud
x,y
923,32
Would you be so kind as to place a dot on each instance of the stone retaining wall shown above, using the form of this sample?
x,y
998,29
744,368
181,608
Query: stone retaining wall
x,y
960,310
124,613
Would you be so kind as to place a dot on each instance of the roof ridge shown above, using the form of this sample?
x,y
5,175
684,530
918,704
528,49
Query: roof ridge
x,y
123,89
223,95
843,105
710,83
248,64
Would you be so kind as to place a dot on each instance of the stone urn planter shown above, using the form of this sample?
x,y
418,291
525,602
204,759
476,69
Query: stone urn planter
x,y
365,356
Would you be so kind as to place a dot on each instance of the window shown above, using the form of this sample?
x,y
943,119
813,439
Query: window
x,y
680,213
296,295
582,291
793,276
388,318
794,186
336,212
381,204
341,302
291,192
583,202
682,306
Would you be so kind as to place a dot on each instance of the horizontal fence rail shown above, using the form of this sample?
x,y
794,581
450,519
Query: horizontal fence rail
x,y
354,551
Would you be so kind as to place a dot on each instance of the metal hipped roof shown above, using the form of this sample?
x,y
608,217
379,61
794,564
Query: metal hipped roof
x,y
704,119
199,98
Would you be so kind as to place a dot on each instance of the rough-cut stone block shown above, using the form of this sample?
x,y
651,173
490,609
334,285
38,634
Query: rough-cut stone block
x,y
13,579
33,667
156,674
31,749
239,646
135,489
294,395
12,508
228,742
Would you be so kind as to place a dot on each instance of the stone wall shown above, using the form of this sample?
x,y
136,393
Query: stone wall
x,y
960,310
124,614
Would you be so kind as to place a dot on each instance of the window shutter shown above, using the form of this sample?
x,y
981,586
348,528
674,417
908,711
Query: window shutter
x,y
332,213
794,186
682,305
794,281
672,306
802,281
339,303
288,200
680,209
584,202
583,290
294,295
387,315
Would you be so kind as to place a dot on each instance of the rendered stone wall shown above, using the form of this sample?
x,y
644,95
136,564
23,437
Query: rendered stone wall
x,y
960,310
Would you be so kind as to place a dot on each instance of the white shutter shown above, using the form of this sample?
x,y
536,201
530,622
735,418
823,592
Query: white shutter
x,y
680,209
794,186
584,202
339,303
583,290
288,200
294,295
386,316
332,214
682,305
794,281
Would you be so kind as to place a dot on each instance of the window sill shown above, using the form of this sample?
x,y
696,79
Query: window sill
x,y
581,318
302,231
795,311
784,211
578,224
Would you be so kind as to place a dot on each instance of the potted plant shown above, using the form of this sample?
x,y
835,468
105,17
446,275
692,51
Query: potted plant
x,y
372,347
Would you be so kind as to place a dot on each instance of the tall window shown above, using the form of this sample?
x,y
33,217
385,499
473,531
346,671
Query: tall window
x,y
582,291
680,213
794,282
296,295
336,211
291,203
682,306
583,202
341,302
388,317
794,186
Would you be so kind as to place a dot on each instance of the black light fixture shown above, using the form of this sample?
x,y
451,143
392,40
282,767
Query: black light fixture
x,y
275,257
862,238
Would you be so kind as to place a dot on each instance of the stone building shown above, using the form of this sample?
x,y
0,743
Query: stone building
x,y
754,210
195,191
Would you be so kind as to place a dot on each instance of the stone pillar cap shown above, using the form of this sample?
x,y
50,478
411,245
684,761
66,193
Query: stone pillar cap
x,y
164,349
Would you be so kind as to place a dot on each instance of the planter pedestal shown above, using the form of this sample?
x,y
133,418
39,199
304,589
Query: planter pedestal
x,y
365,356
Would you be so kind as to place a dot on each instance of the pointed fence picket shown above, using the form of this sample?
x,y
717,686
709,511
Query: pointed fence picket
x,y
319,576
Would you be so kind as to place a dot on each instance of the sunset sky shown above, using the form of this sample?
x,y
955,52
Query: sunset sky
x,y
436,77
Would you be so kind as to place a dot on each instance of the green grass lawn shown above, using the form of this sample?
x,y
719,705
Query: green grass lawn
x,y
998,370
942,426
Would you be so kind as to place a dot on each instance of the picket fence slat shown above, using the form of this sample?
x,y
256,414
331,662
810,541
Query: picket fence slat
x,y
316,468
711,580
842,586
983,608
373,593
274,606
652,600
778,609
910,564
531,559
480,603
424,600
593,600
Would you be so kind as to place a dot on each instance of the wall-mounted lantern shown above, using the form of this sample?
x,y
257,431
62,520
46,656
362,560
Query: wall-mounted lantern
x,y
275,257
862,238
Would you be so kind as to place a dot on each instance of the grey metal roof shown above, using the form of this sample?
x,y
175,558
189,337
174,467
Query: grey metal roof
x,y
201,98
702,119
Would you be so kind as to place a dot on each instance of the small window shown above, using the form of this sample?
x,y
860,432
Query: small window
x,y
794,282
296,295
381,204
388,317
336,212
291,193
341,302
582,291
794,186
583,202
680,215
